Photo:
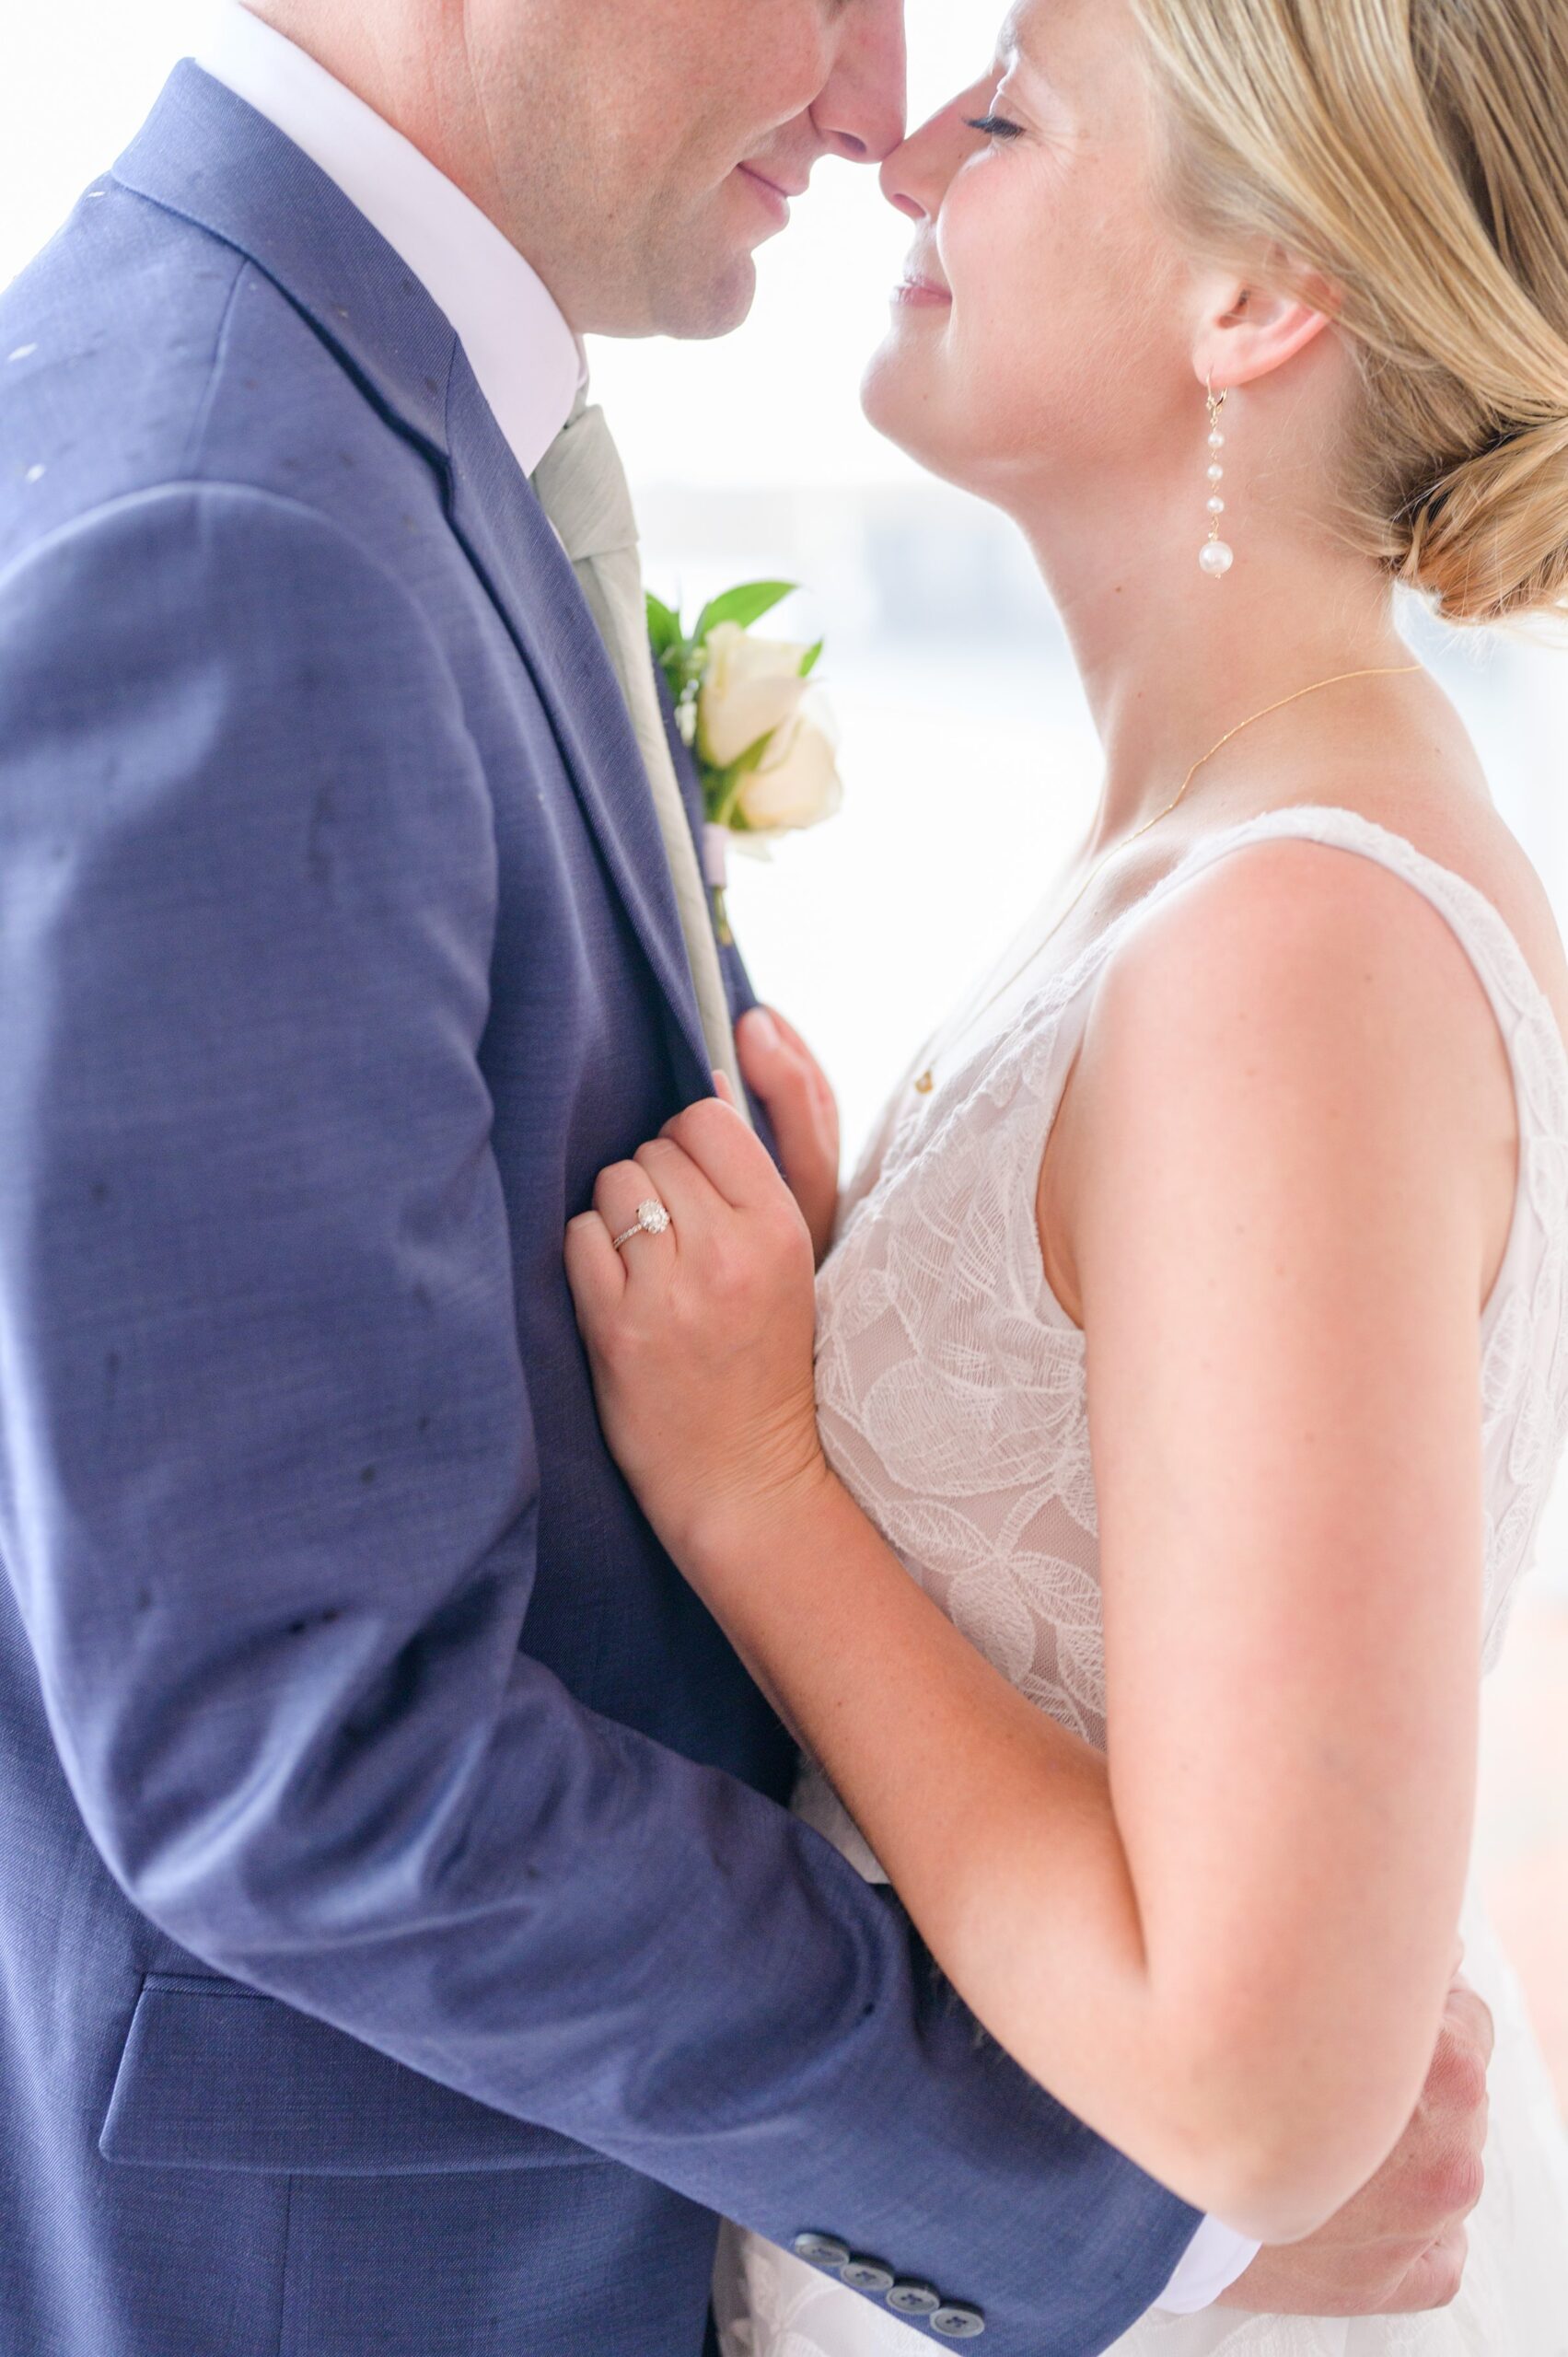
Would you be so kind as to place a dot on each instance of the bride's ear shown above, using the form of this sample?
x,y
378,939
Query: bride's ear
x,y
1247,330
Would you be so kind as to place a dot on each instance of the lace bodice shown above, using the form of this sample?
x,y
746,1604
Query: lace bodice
x,y
951,1382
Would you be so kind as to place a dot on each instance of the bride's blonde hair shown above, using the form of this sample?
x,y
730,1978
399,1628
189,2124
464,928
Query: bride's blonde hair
x,y
1415,153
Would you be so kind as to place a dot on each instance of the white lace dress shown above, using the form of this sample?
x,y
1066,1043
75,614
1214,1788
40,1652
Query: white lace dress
x,y
953,1404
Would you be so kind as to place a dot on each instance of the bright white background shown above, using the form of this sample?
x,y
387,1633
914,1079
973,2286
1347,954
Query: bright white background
x,y
969,759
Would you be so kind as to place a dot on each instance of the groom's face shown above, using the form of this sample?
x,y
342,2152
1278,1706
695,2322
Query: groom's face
x,y
645,148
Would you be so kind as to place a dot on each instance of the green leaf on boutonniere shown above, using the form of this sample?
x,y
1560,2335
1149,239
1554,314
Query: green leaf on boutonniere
x,y
743,606
663,627
811,657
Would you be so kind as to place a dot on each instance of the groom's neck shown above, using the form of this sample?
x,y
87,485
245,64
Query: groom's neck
x,y
410,66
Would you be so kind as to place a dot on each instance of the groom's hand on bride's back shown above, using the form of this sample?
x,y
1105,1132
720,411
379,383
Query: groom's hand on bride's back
x,y
1400,2245
791,1088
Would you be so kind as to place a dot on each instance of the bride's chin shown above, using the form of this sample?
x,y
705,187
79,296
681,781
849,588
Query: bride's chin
x,y
876,391
895,394
897,397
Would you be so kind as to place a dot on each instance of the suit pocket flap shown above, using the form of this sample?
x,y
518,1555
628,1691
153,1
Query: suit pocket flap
x,y
217,2076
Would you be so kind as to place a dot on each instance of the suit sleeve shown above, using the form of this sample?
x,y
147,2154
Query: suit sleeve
x,y
267,1471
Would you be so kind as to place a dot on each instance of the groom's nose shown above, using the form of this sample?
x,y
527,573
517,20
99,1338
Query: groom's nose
x,y
861,111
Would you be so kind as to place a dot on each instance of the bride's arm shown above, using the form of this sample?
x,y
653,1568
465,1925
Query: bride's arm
x,y
1227,1948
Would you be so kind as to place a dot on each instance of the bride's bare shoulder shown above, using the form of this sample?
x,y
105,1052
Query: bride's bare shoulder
x,y
1283,940
1285,1015
1464,832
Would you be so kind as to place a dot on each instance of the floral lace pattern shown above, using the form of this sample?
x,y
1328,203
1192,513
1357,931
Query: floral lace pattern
x,y
953,1403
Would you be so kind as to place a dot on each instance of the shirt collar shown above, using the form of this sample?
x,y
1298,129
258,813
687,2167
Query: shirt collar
x,y
527,363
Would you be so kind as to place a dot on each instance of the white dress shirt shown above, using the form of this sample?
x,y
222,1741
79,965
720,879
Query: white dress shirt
x,y
529,367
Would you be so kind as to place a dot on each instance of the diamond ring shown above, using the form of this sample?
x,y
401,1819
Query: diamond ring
x,y
652,1220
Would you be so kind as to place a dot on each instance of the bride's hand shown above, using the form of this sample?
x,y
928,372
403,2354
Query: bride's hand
x,y
794,1091
701,1338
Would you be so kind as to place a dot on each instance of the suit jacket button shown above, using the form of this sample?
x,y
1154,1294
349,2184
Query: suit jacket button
x,y
867,2275
957,2323
915,2299
823,2250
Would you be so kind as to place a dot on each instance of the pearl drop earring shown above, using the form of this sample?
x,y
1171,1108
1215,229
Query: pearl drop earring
x,y
1215,556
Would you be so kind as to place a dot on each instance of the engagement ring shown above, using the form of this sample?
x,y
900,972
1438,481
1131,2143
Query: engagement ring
x,y
652,1220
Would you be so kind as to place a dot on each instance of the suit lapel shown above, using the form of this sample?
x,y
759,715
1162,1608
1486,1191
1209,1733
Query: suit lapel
x,y
204,153
512,547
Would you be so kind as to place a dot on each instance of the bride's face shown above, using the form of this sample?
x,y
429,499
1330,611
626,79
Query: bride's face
x,y
1045,330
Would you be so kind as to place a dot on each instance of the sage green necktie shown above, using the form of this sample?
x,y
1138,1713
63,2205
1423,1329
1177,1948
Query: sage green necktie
x,y
583,489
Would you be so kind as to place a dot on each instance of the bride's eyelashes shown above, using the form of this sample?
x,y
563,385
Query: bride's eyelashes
x,y
995,127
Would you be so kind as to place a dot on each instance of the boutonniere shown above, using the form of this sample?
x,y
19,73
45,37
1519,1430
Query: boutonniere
x,y
764,746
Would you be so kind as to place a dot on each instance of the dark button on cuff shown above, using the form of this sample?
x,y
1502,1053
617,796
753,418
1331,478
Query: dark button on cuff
x,y
823,2250
915,2299
867,2275
955,2323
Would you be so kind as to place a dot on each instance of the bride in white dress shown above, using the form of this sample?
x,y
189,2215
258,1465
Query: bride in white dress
x,y
1192,1364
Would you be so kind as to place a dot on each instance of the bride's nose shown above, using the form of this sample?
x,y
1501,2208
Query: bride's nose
x,y
917,175
897,195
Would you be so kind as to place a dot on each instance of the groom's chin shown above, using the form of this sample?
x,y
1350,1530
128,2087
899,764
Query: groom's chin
x,y
699,307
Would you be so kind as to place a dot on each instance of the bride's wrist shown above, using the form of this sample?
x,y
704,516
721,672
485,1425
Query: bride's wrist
x,y
731,1543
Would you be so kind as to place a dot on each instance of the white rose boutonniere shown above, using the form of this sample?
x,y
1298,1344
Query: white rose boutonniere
x,y
764,744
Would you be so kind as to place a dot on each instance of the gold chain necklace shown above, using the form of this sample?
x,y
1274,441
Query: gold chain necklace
x,y
927,1080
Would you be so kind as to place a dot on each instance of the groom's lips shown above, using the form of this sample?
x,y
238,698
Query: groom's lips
x,y
774,195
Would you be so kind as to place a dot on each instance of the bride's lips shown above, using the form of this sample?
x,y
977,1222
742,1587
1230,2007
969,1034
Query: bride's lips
x,y
774,195
916,292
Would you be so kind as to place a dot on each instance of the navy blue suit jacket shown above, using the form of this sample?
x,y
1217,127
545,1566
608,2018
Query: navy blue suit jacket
x,y
403,1948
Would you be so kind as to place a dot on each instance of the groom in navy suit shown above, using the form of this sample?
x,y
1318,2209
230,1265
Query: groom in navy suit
x,y
403,1948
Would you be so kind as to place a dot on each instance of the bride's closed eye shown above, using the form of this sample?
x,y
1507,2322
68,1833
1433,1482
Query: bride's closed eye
x,y
995,127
